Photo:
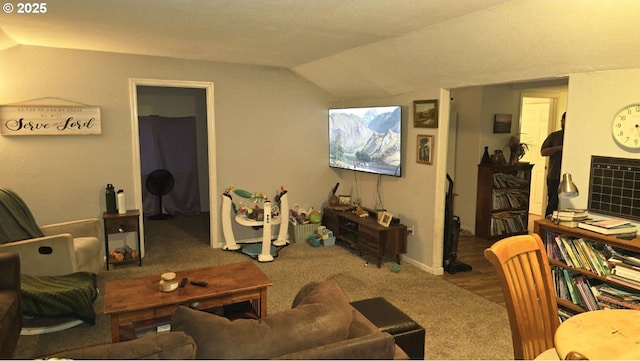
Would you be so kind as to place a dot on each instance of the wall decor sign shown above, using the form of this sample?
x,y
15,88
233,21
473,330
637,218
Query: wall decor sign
x,y
49,120
425,113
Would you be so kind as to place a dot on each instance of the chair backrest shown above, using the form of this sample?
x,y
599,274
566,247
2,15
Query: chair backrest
x,y
523,269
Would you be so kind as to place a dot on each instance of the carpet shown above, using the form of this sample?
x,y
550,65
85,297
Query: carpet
x,y
459,324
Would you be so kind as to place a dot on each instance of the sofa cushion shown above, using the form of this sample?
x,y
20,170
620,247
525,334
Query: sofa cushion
x,y
322,317
163,346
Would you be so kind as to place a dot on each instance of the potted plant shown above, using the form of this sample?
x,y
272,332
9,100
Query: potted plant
x,y
517,149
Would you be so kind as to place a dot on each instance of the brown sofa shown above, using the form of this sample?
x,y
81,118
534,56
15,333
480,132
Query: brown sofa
x,y
10,304
320,325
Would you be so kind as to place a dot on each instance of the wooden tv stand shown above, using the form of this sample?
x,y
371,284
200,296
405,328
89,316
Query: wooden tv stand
x,y
365,234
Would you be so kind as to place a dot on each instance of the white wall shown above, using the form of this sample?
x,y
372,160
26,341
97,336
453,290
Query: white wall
x,y
418,196
271,128
593,100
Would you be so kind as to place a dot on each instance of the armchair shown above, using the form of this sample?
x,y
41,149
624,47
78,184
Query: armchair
x,y
51,250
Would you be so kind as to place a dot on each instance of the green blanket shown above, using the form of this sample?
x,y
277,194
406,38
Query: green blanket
x,y
16,221
70,295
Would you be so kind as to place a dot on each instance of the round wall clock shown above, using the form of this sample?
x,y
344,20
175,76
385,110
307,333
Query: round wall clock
x,y
625,127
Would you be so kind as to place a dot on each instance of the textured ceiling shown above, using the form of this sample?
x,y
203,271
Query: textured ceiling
x,y
353,48
283,33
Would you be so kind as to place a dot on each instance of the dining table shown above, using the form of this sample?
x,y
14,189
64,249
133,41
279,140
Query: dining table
x,y
610,334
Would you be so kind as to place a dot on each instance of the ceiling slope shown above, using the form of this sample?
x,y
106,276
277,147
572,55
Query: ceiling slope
x,y
520,40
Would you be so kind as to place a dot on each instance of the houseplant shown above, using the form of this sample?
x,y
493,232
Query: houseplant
x,y
517,149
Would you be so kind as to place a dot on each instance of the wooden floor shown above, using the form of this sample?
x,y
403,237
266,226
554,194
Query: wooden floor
x,y
482,279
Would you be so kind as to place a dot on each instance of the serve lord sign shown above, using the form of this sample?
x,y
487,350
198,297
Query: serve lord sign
x,y
49,120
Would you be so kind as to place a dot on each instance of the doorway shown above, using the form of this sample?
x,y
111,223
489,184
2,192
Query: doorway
x,y
537,114
208,138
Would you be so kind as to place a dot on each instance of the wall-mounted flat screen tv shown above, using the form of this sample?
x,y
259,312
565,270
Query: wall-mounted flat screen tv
x,y
366,139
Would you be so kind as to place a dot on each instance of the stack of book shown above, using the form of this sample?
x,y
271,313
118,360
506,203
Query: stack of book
x,y
626,268
620,228
610,296
569,217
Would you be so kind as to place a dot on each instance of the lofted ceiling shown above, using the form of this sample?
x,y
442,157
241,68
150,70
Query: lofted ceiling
x,y
350,48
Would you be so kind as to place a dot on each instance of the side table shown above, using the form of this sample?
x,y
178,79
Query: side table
x,y
122,223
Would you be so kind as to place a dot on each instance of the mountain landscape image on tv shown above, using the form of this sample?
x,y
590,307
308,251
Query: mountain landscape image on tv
x,y
366,139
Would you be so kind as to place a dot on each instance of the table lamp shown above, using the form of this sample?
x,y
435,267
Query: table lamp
x,y
567,188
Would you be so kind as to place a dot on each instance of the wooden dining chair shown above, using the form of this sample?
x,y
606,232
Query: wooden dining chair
x,y
525,277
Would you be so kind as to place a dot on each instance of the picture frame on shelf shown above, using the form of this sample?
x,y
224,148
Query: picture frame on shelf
x,y
424,152
502,123
425,113
385,219
344,200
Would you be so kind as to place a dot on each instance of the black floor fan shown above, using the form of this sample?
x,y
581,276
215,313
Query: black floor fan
x,y
160,183
451,235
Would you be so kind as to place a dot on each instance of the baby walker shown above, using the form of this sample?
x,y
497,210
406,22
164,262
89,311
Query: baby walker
x,y
257,218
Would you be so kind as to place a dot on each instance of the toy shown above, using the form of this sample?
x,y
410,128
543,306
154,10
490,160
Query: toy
x,y
119,257
257,218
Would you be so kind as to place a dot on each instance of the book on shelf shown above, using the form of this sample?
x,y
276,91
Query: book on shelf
x,y
624,281
563,251
618,293
610,223
573,290
611,230
571,212
621,256
569,223
613,301
628,272
586,293
569,215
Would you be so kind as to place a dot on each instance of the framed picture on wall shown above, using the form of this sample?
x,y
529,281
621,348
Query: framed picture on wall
x,y
425,113
502,123
424,152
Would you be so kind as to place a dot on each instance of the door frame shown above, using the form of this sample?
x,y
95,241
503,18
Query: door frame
x,y
211,140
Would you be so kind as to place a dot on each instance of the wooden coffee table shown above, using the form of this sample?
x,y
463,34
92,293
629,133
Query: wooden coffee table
x,y
139,299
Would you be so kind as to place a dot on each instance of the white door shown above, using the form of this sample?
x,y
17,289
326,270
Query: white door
x,y
534,128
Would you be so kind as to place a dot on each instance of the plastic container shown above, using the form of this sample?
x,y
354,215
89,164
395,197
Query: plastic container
x,y
331,241
110,195
122,208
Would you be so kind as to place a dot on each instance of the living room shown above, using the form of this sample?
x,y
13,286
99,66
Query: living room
x,y
271,122
278,107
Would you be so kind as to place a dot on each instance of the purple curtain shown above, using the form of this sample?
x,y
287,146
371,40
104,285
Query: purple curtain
x,y
170,143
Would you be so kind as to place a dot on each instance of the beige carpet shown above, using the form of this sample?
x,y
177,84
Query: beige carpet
x,y
459,324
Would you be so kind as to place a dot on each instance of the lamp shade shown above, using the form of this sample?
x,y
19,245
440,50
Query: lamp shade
x,y
567,187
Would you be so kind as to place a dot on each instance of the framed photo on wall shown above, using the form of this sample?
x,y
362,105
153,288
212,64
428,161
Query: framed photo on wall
x,y
425,113
502,123
424,152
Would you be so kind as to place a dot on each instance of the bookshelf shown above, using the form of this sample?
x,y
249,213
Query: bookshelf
x,y
581,261
502,203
